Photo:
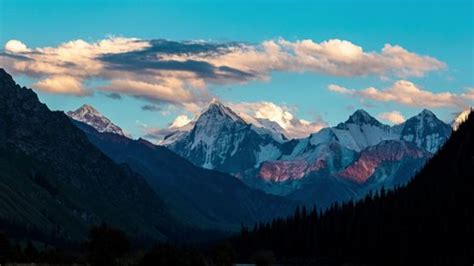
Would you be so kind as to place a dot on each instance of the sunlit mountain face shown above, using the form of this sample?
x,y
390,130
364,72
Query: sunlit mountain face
x,y
173,127
353,158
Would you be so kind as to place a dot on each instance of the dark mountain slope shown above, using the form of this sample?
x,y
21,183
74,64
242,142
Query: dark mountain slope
x,y
53,179
205,199
428,222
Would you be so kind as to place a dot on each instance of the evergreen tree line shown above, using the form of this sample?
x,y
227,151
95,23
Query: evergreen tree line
x,y
430,221
108,246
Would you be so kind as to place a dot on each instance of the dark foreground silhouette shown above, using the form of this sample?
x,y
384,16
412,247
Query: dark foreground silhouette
x,y
430,221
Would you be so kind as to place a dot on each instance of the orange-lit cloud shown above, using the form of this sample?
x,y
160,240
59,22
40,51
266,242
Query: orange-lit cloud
x,y
407,93
62,85
178,73
394,117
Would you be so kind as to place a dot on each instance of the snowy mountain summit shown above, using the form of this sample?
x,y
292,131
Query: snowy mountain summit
x,y
460,118
425,130
221,139
358,132
360,117
89,115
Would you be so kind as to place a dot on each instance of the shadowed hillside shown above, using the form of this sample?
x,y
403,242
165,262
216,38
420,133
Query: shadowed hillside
x,y
54,181
202,198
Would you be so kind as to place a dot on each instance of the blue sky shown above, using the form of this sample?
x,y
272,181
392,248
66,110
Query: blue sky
x,y
442,30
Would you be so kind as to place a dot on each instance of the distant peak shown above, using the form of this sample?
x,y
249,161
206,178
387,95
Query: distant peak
x,y
361,112
216,107
361,117
88,107
427,112
461,118
85,109
89,115
215,101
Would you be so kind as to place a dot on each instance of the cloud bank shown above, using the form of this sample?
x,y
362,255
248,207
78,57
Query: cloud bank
x,y
409,94
178,73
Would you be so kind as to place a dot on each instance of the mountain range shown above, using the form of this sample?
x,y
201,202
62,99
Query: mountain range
x,y
429,221
60,174
348,160
334,164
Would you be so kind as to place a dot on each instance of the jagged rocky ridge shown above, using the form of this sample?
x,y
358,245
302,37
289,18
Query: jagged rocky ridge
x,y
89,115
222,140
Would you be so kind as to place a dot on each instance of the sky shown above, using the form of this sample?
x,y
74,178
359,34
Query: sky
x,y
302,64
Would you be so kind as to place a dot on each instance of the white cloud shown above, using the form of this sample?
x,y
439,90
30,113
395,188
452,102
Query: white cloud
x,y
394,117
407,93
62,85
293,126
339,89
180,121
178,73
15,46
333,57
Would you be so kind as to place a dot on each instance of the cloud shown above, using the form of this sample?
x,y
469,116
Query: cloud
x,y
469,94
339,89
180,121
114,96
333,57
179,73
407,93
259,113
394,117
170,90
152,108
15,46
62,85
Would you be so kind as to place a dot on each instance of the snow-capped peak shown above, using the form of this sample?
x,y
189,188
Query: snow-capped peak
x,y
85,109
218,109
427,113
358,132
461,118
425,130
360,117
89,115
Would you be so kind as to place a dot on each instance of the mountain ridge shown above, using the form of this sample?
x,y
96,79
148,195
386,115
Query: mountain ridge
x,y
220,139
89,115
207,199
55,180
